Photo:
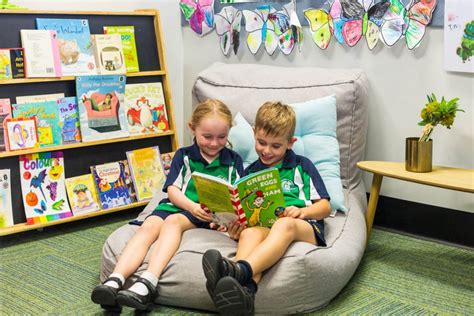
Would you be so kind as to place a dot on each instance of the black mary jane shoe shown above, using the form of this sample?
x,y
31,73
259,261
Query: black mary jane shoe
x,y
106,296
137,301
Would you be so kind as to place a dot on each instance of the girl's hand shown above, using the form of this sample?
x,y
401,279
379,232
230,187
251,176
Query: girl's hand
x,y
235,229
220,228
200,214
294,212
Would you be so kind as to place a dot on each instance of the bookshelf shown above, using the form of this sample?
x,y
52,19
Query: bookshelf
x,y
78,157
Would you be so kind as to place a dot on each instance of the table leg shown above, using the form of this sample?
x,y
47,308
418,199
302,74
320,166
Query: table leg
x,y
373,199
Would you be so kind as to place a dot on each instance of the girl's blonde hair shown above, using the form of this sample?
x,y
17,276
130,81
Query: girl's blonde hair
x,y
276,119
208,108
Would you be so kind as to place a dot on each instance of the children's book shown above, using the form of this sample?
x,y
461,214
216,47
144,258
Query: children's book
x,y
127,35
42,187
47,125
82,194
129,181
147,172
74,44
101,107
69,120
17,58
166,160
108,54
145,108
6,211
111,186
39,98
5,64
41,53
5,113
21,133
256,199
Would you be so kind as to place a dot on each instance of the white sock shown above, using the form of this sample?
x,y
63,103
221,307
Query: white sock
x,y
141,288
114,284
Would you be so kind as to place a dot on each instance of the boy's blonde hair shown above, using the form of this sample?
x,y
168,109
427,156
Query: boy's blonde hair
x,y
208,108
276,119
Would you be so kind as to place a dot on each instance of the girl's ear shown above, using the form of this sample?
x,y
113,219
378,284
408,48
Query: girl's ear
x,y
191,127
253,129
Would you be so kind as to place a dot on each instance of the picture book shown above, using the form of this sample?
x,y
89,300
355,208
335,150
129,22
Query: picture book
x,y
166,160
17,60
74,44
110,183
108,54
127,35
42,187
82,194
69,120
21,133
47,125
5,64
39,98
145,108
147,172
101,107
6,211
128,180
256,199
41,53
5,113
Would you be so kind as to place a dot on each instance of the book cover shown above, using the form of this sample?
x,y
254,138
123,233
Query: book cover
x,y
47,125
74,44
166,160
101,107
147,172
82,194
256,199
69,120
42,187
17,58
5,113
41,53
39,98
110,184
108,54
5,64
21,133
127,35
146,108
129,181
6,211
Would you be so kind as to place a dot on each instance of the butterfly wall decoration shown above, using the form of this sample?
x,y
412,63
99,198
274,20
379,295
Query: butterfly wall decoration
x,y
260,30
287,27
199,14
228,29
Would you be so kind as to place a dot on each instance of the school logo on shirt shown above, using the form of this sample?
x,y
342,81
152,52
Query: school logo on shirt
x,y
287,185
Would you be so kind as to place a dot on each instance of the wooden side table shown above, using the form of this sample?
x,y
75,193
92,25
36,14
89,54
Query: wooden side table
x,y
444,177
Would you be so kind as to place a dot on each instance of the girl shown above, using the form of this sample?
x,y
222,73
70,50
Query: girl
x,y
210,124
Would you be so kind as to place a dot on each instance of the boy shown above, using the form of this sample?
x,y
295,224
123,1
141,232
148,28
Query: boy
x,y
232,285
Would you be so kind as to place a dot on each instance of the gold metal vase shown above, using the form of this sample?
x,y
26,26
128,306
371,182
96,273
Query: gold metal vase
x,y
418,155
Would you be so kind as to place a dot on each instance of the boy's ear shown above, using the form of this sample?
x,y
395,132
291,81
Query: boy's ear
x,y
291,142
253,129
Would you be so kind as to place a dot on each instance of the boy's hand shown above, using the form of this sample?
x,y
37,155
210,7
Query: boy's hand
x,y
294,212
234,230
199,213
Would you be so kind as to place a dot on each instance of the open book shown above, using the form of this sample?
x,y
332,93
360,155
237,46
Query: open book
x,y
256,199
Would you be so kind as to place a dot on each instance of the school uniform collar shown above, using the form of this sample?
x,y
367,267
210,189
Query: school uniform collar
x,y
225,156
289,162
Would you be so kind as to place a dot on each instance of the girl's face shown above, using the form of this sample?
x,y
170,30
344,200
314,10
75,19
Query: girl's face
x,y
211,136
271,149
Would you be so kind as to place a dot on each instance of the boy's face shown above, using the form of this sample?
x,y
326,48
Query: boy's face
x,y
271,149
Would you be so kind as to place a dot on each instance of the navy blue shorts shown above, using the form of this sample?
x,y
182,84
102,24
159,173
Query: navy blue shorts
x,y
197,222
318,228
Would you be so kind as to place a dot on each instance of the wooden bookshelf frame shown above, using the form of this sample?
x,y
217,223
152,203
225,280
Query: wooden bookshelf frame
x,y
162,73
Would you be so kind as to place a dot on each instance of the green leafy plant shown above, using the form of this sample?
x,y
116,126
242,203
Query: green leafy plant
x,y
436,112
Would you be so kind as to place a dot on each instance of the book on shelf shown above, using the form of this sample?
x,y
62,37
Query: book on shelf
x,y
147,172
256,199
69,120
127,36
5,64
111,184
101,107
146,108
108,54
42,187
38,98
166,160
129,181
47,125
21,133
5,113
82,194
6,211
17,59
74,44
41,53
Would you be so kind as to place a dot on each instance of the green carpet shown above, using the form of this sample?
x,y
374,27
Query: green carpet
x,y
53,272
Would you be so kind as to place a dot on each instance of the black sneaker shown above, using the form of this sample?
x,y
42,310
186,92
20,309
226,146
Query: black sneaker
x,y
232,298
216,267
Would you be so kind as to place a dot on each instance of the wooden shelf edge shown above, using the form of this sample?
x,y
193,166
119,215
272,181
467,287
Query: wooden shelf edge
x,y
82,144
22,227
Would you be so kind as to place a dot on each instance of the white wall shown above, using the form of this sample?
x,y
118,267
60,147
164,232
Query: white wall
x,y
399,79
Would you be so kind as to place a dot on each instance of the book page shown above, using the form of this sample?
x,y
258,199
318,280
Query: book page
x,y
213,194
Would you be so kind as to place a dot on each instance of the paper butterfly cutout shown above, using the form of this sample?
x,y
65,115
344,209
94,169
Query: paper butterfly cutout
x,y
260,29
324,24
362,19
200,14
228,28
287,27
409,21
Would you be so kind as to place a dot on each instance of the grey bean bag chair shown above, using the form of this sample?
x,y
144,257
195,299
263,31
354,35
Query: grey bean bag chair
x,y
307,277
